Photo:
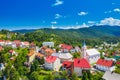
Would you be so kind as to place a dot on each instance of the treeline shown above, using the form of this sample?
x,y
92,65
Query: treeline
x,y
58,36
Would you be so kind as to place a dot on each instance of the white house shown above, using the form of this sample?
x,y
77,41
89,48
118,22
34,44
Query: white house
x,y
92,55
49,44
2,42
52,63
63,56
24,44
12,52
2,67
80,65
105,65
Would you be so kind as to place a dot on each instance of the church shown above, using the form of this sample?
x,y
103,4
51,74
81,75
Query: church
x,y
91,55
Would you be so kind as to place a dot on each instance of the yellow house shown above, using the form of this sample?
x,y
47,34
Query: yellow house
x,y
31,56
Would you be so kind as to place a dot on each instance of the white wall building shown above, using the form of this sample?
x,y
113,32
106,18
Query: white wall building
x,y
92,55
80,65
49,44
52,63
105,65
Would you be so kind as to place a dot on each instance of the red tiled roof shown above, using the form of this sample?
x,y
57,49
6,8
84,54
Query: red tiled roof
x,y
30,53
17,41
1,48
104,62
82,63
39,55
65,46
11,51
27,43
49,51
67,64
7,41
2,41
51,59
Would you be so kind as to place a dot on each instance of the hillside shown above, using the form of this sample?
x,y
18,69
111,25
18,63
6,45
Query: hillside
x,y
91,32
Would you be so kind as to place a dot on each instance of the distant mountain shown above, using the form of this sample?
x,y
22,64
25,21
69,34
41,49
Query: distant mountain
x,y
24,30
90,32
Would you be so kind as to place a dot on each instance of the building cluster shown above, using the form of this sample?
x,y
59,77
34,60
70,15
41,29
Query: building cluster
x,y
14,44
63,58
54,60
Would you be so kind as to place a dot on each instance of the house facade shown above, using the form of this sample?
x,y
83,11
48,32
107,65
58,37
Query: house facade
x,y
80,65
105,65
31,56
52,63
48,44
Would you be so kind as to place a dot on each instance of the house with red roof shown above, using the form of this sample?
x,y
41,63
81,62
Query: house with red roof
x,y
1,48
65,47
31,56
17,43
12,52
68,65
80,65
24,44
52,63
2,42
105,65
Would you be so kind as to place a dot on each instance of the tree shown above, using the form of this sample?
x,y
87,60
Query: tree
x,y
41,61
49,77
64,75
34,76
7,70
74,76
34,66
14,75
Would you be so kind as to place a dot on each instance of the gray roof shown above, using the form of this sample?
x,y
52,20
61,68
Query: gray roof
x,y
111,76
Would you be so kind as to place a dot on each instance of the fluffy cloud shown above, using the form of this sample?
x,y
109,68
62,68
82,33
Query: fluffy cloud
x,y
71,27
57,16
116,10
53,22
82,13
57,2
110,21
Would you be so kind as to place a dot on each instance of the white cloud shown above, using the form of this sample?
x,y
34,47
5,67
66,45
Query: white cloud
x,y
57,2
71,27
53,22
82,13
57,16
116,10
110,21
91,22
108,12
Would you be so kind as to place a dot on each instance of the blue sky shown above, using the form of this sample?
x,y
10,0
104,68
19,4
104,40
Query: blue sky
x,y
28,14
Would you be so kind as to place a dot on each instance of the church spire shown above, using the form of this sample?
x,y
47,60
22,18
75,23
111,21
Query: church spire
x,y
84,48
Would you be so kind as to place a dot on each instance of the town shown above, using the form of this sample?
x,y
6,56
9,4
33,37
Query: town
x,y
24,60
